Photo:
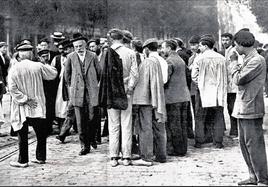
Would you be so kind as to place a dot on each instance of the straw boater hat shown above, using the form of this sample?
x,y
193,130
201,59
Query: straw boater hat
x,y
3,44
24,47
57,35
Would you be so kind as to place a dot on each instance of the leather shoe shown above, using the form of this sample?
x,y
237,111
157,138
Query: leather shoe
x,y
84,152
197,145
249,181
94,145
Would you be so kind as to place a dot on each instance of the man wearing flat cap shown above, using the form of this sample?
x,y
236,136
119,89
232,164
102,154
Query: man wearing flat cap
x,y
249,107
25,83
150,97
82,73
210,74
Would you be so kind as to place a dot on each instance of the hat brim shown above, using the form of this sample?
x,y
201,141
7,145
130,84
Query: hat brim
x,y
79,38
56,37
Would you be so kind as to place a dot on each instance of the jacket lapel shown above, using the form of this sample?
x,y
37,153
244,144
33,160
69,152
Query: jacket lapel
x,y
87,61
77,63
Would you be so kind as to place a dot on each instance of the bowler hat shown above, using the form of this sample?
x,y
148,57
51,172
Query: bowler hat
x,y
24,47
3,44
42,52
57,35
149,41
78,36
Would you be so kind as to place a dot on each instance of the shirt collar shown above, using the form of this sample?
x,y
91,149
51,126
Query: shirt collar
x,y
116,46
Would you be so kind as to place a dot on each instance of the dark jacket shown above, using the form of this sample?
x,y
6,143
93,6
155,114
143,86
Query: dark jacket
x,y
176,89
4,68
112,92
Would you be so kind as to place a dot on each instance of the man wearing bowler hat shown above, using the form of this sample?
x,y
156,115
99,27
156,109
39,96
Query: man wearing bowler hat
x,y
82,72
28,103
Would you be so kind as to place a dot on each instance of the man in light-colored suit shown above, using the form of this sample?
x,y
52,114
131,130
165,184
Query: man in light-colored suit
x,y
82,75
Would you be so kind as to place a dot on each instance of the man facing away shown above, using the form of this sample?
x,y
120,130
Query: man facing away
x,y
28,103
249,107
177,97
210,75
150,97
120,121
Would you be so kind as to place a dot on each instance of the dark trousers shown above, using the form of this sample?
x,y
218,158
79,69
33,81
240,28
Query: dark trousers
x,y
152,135
203,131
189,119
230,106
252,145
68,122
105,131
97,124
85,126
213,118
41,132
176,128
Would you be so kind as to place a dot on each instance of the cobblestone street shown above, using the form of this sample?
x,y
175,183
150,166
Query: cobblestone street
x,y
206,166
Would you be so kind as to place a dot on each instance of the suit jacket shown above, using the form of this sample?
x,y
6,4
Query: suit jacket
x,y
250,79
79,82
176,89
112,92
4,67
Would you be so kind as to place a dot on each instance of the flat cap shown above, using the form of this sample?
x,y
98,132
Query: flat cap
x,y
42,52
149,41
24,47
207,38
244,38
3,44
194,39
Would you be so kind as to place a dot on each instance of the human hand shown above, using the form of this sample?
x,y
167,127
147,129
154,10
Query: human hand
x,y
129,91
234,56
31,103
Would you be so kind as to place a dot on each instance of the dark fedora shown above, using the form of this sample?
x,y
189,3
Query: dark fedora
x,y
78,36
65,43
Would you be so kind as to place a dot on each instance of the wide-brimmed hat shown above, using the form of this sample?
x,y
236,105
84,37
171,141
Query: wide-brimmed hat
x,y
57,35
78,36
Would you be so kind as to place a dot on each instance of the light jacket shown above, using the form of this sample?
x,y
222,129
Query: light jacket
x,y
210,74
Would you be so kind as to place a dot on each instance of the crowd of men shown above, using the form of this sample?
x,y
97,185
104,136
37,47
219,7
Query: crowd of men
x,y
144,91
